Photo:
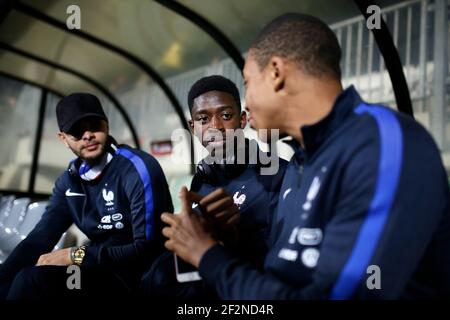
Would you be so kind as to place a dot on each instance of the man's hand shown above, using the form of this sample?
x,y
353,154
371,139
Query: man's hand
x,y
55,258
190,235
218,205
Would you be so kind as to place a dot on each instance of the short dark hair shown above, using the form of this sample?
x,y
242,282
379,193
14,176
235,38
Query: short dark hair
x,y
304,39
212,83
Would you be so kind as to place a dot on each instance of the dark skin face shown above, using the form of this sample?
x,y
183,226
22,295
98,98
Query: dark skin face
x,y
213,113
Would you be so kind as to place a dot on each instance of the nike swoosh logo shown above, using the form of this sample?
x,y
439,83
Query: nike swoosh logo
x,y
73,194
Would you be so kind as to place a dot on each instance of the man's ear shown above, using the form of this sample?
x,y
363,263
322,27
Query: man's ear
x,y
191,126
63,139
243,120
277,72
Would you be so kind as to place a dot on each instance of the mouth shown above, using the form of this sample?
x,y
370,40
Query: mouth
x,y
215,140
216,143
251,122
92,146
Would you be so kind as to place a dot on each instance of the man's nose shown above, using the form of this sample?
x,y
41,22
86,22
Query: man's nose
x,y
88,135
216,123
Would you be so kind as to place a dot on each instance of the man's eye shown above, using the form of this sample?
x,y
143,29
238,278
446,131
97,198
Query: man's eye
x,y
202,119
226,116
75,134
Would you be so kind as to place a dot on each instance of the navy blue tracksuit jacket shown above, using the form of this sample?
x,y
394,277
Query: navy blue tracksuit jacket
x,y
368,193
256,196
119,213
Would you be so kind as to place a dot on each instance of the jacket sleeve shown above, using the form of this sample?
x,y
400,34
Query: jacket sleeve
x,y
45,235
376,221
149,196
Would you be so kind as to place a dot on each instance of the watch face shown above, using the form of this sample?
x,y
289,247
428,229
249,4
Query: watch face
x,y
79,255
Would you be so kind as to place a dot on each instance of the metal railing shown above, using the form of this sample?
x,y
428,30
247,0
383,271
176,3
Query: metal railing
x,y
363,65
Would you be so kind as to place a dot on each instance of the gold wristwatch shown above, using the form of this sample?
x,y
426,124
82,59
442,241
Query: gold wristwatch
x,y
77,255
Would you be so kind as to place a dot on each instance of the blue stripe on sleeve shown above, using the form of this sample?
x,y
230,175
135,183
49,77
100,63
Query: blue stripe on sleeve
x,y
144,174
390,161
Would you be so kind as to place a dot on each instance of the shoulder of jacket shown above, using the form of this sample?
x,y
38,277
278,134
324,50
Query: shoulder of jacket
x,y
127,152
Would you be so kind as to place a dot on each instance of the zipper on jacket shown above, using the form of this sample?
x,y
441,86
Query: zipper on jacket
x,y
300,173
84,203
